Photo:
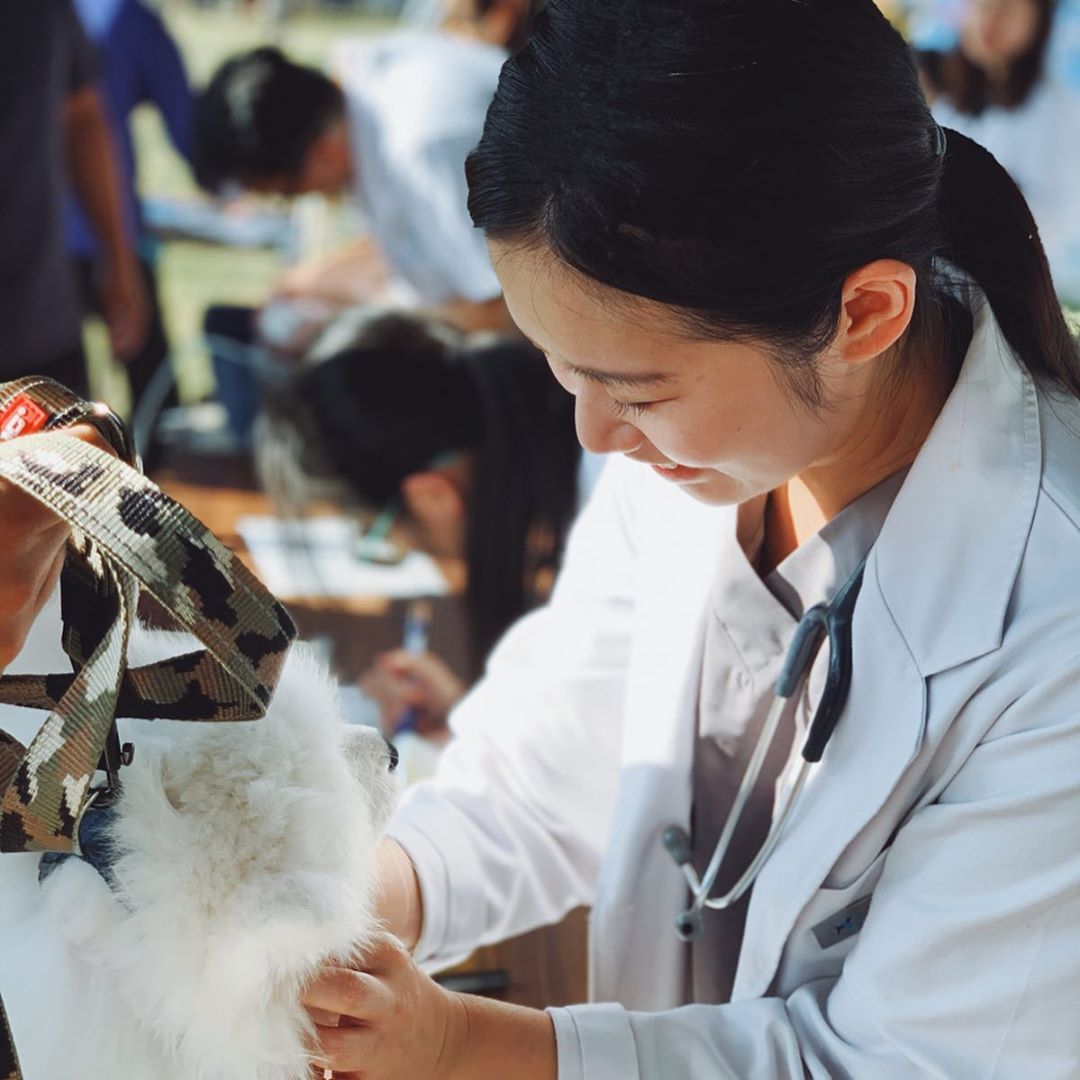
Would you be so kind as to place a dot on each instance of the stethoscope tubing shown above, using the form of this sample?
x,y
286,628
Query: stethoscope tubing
x,y
833,622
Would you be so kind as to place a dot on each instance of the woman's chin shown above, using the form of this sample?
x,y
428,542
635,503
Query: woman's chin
x,y
715,488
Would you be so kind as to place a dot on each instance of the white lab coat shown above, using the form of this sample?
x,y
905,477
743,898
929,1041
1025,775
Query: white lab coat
x,y
950,791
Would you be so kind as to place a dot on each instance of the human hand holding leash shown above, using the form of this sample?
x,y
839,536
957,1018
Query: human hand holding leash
x,y
32,539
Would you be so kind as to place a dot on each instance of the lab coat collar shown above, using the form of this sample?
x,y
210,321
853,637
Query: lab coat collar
x,y
950,550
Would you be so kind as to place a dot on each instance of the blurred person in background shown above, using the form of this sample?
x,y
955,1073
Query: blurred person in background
x,y
469,440
994,87
506,23
53,129
393,130
140,63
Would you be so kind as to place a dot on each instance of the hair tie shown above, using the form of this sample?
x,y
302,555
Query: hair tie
x,y
941,141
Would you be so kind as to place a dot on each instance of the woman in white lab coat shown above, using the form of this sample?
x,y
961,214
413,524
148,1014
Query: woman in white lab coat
x,y
829,328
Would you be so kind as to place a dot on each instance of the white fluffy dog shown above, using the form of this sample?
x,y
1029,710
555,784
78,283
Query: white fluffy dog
x,y
245,860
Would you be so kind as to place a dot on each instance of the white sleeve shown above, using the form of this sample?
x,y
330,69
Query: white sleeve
x,y
510,833
455,251
967,963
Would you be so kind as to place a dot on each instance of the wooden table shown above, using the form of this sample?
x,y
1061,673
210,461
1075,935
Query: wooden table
x,y
546,967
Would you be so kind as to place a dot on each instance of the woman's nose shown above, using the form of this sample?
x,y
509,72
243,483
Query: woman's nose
x,y
598,430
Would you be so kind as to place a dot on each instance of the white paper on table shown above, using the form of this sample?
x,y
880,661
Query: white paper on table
x,y
316,557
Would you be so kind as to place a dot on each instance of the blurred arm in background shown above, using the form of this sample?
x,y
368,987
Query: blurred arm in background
x,y
91,159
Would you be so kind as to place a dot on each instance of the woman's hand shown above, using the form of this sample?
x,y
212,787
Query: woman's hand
x,y
403,683
394,1023
397,1024
32,540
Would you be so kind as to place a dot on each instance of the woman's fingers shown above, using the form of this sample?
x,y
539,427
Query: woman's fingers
x,y
349,994
385,956
347,1049
394,1021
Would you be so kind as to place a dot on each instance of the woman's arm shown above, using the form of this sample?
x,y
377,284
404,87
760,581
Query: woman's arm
x,y
966,966
510,833
92,163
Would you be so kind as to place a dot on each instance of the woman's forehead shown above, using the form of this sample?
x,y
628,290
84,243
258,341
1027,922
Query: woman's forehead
x,y
582,323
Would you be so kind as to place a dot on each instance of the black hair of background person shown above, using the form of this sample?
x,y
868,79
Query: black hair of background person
x,y
258,117
738,159
965,85
385,415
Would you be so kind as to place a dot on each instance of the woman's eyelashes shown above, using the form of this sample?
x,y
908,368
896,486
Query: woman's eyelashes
x,y
631,408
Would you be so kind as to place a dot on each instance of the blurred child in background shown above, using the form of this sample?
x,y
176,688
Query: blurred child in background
x,y
393,130
469,438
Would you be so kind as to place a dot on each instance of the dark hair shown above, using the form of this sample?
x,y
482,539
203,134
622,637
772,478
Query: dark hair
x,y
258,117
738,159
409,393
954,76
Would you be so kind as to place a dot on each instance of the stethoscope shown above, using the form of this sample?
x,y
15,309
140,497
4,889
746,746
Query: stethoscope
x,y
825,621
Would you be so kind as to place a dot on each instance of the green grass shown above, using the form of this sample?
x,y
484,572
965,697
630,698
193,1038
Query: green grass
x,y
193,276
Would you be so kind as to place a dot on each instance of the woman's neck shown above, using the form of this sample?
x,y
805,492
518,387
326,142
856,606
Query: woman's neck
x,y
886,437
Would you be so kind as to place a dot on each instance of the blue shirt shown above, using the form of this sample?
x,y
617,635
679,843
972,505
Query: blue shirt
x,y
140,63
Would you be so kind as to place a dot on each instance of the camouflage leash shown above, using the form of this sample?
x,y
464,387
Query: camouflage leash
x,y
126,534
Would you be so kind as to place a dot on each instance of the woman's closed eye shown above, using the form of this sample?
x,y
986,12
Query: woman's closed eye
x,y
631,408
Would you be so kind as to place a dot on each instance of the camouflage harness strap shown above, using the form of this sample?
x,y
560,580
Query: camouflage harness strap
x,y
125,534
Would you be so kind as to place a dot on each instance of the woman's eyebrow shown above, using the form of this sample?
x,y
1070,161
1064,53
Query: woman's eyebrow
x,y
627,380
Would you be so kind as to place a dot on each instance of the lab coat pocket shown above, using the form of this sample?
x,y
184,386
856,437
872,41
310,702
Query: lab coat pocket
x,y
828,928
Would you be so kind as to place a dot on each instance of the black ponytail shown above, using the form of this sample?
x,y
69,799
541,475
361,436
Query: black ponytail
x,y
991,235
737,160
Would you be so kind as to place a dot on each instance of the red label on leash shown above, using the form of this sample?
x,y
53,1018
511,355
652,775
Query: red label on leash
x,y
21,417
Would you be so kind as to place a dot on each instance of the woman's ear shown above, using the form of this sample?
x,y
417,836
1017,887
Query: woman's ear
x,y
877,304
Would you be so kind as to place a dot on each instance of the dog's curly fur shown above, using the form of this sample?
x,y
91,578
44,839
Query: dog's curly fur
x,y
244,860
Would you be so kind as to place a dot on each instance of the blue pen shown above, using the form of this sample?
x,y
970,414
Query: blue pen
x,y
415,642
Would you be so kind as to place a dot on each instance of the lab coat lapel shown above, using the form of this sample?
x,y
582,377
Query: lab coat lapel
x,y
876,739
953,543
635,955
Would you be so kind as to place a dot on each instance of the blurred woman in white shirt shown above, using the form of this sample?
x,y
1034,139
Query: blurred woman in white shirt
x,y
995,87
